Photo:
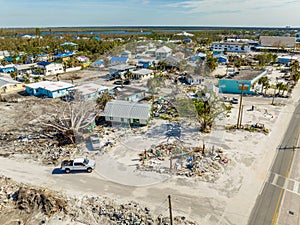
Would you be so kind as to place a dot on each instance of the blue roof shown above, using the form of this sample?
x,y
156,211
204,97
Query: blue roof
x,y
220,56
116,58
97,38
62,55
44,63
187,39
43,54
99,62
68,43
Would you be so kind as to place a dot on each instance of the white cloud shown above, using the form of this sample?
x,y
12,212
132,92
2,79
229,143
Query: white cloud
x,y
234,6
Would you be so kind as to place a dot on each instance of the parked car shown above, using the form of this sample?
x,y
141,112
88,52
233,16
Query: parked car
x,y
79,164
119,82
95,141
234,101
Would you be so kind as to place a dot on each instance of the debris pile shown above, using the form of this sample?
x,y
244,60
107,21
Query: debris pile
x,y
257,127
18,202
130,213
184,161
164,109
23,204
36,147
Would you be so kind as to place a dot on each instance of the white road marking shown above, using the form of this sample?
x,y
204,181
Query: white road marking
x,y
296,187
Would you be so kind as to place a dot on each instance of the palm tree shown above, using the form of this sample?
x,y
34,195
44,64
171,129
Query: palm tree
x,y
285,88
280,86
265,82
295,67
295,77
14,75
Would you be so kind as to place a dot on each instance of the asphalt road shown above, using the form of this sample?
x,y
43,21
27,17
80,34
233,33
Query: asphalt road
x,y
265,211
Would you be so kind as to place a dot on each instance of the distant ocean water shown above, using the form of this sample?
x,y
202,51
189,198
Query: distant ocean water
x,y
95,32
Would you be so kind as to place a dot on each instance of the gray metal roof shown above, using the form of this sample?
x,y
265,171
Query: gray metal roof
x,y
89,88
5,81
127,110
277,41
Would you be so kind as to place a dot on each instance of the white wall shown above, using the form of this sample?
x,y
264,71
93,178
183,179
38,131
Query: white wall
x,y
73,69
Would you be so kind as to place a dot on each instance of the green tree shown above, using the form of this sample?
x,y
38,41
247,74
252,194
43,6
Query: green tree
x,y
211,62
285,88
209,108
265,82
154,84
295,77
280,86
103,99
14,75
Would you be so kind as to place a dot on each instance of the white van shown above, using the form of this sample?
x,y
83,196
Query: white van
x,y
95,141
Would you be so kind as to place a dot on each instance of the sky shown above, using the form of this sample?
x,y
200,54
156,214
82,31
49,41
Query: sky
x,y
60,13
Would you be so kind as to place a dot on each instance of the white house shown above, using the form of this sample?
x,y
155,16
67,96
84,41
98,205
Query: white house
x,y
89,91
120,69
142,73
51,68
193,79
126,54
25,68
124,112
230,47
3,54
163,52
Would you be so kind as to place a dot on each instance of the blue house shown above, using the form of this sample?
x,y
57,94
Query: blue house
x,y
286,59
97,38
198,56
221,58
64,55
115,60
187,40
49,89
144,63
245,80
8,68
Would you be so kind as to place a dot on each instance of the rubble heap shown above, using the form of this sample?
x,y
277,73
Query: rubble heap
x,y
130,213
37,147
184,161
29,205
164,109
17,201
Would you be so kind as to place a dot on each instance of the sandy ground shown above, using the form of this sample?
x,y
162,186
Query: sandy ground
x,y
227,201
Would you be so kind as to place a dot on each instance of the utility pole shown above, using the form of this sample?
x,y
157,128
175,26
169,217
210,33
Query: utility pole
x,y
273,96
242,88
241,117
170,210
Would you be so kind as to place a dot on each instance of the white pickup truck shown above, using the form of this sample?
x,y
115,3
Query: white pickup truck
x,y
79,164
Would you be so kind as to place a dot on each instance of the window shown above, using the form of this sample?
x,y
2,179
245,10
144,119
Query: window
x,y
137,121
111,118
122,119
